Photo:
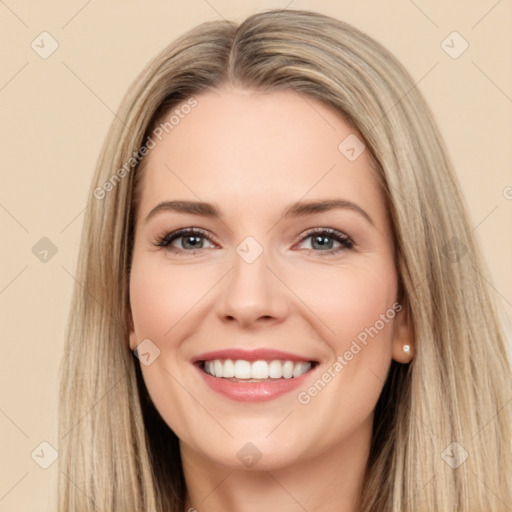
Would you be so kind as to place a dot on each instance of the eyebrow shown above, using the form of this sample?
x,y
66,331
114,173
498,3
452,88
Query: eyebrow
x,y
298,209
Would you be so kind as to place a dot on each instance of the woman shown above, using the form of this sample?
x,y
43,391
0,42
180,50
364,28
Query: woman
x,y
276,233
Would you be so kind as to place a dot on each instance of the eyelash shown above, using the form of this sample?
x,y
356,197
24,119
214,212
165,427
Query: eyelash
x,y
346,242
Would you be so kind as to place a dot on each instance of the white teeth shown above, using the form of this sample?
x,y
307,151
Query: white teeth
x,y
275,370
242,370
229,369
301,368
288,369
260,369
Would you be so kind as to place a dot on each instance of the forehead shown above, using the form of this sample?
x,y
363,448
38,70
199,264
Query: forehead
x,y
241,148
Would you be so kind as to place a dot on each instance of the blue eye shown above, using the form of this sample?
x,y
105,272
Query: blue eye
x,y
324,239
193,239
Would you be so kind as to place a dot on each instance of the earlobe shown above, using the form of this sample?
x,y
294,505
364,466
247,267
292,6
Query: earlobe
x,y
403,337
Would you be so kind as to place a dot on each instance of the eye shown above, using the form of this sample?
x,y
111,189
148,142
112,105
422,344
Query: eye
x,y
323,241
188,240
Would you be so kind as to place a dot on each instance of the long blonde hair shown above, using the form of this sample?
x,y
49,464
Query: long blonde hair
x,y
116,452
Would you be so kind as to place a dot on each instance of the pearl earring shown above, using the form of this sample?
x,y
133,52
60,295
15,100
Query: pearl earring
x,y
407,349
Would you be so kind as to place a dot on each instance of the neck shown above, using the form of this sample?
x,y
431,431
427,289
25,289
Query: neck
x,y
330,477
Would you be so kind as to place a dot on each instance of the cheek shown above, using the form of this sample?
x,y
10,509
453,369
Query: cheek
x,y
152,302
162,303
351,301
161,297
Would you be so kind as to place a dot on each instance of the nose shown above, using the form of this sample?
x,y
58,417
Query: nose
x,y
252,295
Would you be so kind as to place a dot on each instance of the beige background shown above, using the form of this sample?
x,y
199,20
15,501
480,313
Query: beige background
x,y
54,116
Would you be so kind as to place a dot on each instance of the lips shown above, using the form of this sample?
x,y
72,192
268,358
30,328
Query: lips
x,y
256,375
250,355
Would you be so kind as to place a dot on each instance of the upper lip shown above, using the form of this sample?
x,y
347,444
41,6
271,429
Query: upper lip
x,y
265,354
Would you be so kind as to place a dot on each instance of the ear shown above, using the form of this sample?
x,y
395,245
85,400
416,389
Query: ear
x,y
403,336
131,332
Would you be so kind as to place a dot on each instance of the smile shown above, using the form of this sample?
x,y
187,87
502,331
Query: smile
x,y
255,371
253,376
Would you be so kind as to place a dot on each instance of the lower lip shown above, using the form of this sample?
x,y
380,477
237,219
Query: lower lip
x,y
253,391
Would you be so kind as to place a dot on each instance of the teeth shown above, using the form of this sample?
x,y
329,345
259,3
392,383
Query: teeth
x,y
275,370
218,366
260,369
229,369
242,370
288,369
300,369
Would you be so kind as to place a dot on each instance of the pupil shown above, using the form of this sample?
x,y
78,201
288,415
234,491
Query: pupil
x,y
196,241
323,241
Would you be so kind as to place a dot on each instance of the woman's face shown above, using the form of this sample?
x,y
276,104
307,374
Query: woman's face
x,y
265,333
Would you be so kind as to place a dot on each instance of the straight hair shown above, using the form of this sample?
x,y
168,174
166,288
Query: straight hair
x,y
116,452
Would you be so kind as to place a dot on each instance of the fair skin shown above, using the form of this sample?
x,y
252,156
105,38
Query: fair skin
x,y
252,155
